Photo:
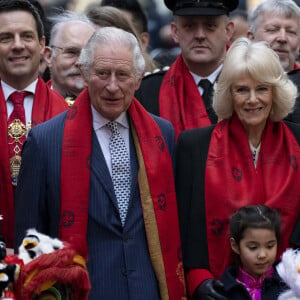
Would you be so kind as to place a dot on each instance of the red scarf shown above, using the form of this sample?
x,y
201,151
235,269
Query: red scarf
x,y
75,182
46,104
179,99
231,181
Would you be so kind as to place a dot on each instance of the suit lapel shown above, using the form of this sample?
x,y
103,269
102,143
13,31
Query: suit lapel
x,y
134,171
102,174
100,170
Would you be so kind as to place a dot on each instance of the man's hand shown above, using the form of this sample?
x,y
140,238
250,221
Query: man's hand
x,y
210,289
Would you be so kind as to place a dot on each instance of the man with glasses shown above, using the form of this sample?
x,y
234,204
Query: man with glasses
x,y
69,35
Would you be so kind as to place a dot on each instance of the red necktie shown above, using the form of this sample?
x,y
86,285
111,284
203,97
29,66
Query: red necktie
x,y
16,132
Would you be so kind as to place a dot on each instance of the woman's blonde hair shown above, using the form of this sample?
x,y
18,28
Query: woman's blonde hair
x,y
261,63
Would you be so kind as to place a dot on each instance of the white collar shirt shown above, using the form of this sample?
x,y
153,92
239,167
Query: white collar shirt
x,y
103,133
212,78
28,101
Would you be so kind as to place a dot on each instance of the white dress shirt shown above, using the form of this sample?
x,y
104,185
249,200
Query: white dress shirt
x,y
212,78
28,101
103,133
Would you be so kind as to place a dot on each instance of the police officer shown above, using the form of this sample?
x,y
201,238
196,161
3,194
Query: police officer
x,y
202,30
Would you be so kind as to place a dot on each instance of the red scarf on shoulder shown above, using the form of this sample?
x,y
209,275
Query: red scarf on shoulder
x,y
46,104
179,99
231,181
75,183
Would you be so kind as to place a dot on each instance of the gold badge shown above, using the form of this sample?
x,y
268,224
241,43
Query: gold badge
x,y
16,130
15,164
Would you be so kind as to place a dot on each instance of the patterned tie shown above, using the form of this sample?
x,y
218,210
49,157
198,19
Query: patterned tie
x,y
120,166
207,97
16,133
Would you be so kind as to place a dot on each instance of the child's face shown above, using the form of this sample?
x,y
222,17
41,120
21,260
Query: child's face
x,y
257,250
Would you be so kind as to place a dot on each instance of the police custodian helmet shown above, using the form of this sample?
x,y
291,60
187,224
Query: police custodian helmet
x,y
201,7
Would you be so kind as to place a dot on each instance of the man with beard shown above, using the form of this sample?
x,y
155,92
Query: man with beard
x,y
69,35
25,100
183,94
278,23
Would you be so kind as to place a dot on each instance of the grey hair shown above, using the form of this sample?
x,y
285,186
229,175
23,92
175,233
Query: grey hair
x,y
287,8
107,36
63,18
260,62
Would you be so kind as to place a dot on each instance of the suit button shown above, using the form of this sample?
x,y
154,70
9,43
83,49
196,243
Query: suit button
x,y
124,272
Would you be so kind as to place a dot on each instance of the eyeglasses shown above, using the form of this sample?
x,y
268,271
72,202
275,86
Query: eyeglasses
x,y
68,52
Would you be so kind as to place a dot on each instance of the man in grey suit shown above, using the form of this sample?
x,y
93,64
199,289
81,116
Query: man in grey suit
x,y
76,184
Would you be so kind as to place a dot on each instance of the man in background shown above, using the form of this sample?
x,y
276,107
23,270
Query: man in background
x,y
183,94
278,23
239,18
69,34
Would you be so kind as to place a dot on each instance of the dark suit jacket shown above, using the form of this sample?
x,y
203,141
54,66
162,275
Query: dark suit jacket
x,y
271,288
118,258
148,92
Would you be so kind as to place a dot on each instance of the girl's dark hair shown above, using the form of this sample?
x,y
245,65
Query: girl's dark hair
x,y
254,216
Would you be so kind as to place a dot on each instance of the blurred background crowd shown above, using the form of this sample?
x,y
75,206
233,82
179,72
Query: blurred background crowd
x,y
158,18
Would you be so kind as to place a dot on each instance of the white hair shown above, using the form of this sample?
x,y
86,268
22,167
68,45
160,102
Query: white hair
x,y
62,19
286,8
258,61
111,36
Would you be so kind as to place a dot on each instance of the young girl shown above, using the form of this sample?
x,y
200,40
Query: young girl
x,y
254,235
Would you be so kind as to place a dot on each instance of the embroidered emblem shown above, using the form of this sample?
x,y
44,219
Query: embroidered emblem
x,y
162,202
216,227
237,174
293,162
68,218
180,275
160,142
